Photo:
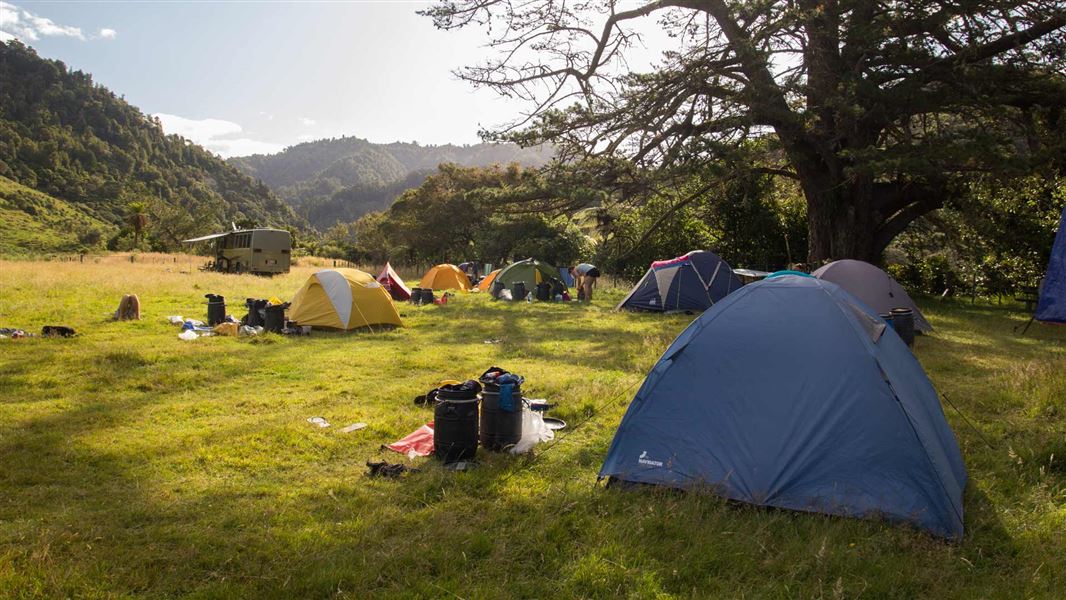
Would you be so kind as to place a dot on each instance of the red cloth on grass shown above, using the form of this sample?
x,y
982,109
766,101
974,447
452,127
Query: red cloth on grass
x,y
420,441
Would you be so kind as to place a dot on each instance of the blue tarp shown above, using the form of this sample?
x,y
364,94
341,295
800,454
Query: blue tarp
x,y
694,281
1052,304
791,393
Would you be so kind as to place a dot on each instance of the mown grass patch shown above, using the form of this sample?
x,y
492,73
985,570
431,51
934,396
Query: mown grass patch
x,y
136,464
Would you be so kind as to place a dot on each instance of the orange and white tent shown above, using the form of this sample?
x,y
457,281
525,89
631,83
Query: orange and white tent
x,y
446,277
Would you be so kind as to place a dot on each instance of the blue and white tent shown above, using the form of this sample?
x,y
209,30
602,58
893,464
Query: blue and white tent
x,y
694,281
793,394
1052,305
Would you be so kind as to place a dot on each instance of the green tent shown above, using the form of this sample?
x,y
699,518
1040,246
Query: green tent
x,y
530,271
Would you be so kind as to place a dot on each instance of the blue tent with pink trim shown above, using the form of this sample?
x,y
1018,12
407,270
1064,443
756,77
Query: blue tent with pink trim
x,y
693,282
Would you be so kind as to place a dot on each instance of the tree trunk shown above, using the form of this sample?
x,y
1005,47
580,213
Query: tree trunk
x,y
841,221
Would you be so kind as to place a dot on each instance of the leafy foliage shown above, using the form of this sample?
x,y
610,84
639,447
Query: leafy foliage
x,y
995,244
76,141
753,221
461,213
880,110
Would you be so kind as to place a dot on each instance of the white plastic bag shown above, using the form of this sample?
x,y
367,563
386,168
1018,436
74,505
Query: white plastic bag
x,y
534,431
188,335
176,319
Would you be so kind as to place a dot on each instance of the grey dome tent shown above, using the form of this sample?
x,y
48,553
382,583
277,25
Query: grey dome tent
x,y
874,287
694,281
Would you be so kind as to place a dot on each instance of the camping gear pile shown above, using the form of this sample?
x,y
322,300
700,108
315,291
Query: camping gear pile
x,y
49,331
488,412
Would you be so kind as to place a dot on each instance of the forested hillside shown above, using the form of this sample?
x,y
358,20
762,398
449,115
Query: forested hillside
x,y
338,180
78,142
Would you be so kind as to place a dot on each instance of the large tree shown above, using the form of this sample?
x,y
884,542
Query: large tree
x,y
876,108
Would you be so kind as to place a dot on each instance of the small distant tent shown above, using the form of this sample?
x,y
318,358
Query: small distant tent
x,y
486,283
445,277
343,299
793,394
531,271
393,284
694,281
1052,304
874,287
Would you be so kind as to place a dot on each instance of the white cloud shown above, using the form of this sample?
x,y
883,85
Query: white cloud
x,y
217,135
20,24
308,122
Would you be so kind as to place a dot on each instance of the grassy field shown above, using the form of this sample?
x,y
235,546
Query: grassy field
x,y
134,464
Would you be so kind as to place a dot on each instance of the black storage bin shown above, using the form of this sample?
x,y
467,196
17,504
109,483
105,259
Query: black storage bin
x,y
500,428
544,291
903,323
216,309
274,317
455,429
518,291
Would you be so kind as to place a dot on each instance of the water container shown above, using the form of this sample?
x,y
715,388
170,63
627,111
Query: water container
x,y
274,317
497,287
903,323
544,291
455,429
500,429
518,290
216,309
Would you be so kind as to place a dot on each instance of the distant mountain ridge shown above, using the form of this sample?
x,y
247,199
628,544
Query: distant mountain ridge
x,y
94,154
337,180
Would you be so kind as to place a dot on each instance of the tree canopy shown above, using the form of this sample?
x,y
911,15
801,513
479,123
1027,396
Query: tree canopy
x,y
879,110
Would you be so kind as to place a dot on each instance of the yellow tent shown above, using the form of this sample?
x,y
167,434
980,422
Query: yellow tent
x,y
486,283
445,277
343,299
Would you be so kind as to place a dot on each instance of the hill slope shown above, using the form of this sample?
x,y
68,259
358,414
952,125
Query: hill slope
x,y
340,179
33,222
76,141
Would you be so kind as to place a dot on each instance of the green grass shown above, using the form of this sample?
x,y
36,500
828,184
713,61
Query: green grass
x,y
33,222
133,464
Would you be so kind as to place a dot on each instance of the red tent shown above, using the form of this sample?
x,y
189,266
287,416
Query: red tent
x,y
392,282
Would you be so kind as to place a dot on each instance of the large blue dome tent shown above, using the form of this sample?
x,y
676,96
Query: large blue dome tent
x,y
793,394
1052,304
694,281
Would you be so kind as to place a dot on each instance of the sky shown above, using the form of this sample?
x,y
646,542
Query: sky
x,y
243,77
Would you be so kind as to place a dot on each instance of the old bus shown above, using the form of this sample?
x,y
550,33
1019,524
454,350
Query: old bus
x,y
259,251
